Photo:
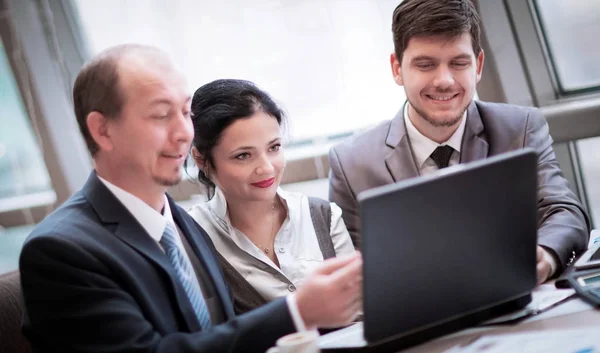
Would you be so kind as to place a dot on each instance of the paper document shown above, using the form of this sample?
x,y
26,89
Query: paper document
x,y
351,336
541,301
571,306
553,341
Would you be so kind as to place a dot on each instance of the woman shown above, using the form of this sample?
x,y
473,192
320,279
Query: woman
x,y
268,239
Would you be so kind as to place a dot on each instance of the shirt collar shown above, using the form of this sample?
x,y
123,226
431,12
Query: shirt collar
x,y
423,146
153,222
218,206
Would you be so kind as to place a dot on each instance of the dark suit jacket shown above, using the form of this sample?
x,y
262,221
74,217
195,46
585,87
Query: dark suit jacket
x,y
383,155
94,281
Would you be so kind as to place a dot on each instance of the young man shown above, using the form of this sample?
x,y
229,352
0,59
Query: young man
x,y
438,60
120,267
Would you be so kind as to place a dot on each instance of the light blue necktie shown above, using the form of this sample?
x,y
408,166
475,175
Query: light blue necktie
x,y
185,274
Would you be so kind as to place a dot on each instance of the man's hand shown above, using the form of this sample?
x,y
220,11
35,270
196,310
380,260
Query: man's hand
x,y
544,269
332,295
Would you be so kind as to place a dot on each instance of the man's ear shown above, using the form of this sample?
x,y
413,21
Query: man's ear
x,y
480,59
396,69
97,124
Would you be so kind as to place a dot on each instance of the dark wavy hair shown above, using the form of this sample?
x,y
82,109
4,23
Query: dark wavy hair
x,y
423,18
218,104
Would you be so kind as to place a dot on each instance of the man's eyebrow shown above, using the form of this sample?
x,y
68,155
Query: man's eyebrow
x,y
423,57
160,101
168,101
431,58
462,56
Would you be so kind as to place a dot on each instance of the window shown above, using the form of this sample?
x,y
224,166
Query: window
x,y
24,180
571,30
590,167
325,62
546,52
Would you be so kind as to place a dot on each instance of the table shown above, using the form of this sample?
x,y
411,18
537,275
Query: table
x,y
584,319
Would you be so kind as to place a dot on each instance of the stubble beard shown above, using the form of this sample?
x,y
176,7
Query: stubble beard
x,y
168,182
437,123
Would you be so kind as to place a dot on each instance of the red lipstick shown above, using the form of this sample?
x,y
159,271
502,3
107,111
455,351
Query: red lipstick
x,y
265,183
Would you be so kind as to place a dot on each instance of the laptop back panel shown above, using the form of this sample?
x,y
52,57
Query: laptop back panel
x,y
442,246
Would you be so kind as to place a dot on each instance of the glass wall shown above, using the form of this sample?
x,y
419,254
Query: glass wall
x,y
589,158
325,62
572,31
23,174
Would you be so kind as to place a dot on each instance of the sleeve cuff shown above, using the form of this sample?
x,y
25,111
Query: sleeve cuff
x,y
552,261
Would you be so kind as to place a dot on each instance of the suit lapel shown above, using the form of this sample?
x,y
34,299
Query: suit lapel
x,y
132,233
473,146
198,242
111,210
400,162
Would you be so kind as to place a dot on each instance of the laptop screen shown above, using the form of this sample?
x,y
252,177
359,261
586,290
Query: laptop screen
x,y
445,245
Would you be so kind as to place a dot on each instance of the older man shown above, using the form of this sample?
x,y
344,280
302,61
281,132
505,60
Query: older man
x,y
120,267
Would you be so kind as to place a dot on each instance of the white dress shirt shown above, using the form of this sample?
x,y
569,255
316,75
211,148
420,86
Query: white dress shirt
x,y
296,244
422,148
154,224
152,221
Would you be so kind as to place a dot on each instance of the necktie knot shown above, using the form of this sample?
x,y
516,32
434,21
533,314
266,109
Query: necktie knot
x,y
441,156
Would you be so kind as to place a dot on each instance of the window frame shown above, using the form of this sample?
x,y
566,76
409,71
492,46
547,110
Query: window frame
x,y
34,51
537,58
517,70
517,48
49,34
551,58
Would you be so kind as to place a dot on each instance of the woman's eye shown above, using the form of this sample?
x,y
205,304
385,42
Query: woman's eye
x,y
242,156
275,148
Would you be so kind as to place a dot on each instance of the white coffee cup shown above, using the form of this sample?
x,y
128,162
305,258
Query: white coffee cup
x,y
299,342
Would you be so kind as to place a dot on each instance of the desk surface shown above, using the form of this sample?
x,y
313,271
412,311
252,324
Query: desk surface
x,y
584,319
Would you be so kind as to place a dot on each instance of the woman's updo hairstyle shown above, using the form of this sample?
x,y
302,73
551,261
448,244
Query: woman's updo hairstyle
x,y
215,106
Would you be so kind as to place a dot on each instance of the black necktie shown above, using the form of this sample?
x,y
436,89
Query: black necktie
x,y
441,156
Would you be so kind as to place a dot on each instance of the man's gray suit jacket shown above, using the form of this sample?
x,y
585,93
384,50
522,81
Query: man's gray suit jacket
x,y
383,155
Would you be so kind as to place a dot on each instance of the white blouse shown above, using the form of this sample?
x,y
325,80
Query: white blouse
x,y
296,243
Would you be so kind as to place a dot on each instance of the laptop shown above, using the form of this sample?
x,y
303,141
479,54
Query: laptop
x,y
445,251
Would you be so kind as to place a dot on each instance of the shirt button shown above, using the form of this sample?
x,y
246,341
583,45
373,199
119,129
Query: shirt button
x,y
282,250
291,287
